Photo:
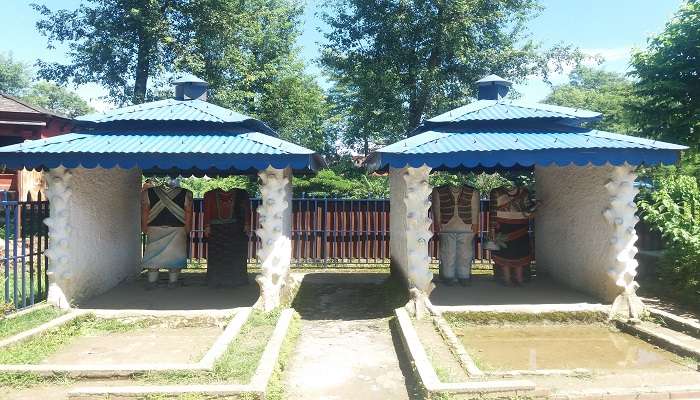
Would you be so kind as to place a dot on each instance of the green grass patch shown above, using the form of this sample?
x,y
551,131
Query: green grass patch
x,y
239,362
32,319
488,317
37,348
275,389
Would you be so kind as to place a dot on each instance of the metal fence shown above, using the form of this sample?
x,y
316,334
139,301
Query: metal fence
x,y
334,231
24,239
325,232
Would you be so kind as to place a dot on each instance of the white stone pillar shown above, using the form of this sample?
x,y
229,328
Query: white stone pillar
x,y
94,231
275,234
584,228
410,232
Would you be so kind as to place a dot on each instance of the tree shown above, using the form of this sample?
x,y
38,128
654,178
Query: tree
x,y
394,62
296,107
16,79
119,44
57,98
607,92
245,50
668,71
14,76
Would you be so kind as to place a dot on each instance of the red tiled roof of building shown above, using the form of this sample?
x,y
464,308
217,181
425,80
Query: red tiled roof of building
x,y
11,104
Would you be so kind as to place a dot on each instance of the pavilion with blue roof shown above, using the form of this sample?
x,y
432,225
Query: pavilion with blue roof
x,y
94,182
584,184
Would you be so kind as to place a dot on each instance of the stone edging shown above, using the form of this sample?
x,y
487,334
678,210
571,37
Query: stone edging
x,y
26,310
456,346
257,386
659,339
678,323
659,392
114,370
428,376
56,322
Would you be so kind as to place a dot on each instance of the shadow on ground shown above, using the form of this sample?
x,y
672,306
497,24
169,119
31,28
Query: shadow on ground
x,y
356,296
192,294
484,290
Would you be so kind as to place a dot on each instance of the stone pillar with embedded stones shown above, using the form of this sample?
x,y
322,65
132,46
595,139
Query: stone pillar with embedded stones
x,y
585,231
94,231
410,233
275,253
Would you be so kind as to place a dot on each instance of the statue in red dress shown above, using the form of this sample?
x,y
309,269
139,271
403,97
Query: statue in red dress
x,y
226,227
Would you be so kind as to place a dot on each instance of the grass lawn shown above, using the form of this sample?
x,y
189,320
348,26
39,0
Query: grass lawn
x,y
15,325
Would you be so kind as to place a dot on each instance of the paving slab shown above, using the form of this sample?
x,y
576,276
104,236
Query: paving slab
x,y
346,349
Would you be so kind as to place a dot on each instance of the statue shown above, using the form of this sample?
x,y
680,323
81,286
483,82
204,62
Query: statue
x,y
166,218
226,227
511,210
456,210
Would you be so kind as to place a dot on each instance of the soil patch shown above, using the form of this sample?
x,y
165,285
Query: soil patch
x,y
150,345
562,346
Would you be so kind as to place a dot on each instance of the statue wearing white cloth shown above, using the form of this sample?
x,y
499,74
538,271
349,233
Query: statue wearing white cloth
x,y
166,218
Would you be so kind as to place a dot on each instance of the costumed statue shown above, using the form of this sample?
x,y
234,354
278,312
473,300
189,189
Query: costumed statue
x,y
456,210
226,226
510,213
166,218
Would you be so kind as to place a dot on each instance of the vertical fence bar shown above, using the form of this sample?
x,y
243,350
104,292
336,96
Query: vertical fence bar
x,y
7,246
39,250
32,219
14,254
22,232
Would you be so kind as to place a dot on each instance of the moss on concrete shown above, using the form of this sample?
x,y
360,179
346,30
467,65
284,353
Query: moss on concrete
x,y
490,317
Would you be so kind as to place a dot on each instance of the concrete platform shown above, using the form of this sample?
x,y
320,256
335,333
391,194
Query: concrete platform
x,y
484,290
191,294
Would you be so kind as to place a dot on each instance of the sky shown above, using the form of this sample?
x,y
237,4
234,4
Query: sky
x,y
610,28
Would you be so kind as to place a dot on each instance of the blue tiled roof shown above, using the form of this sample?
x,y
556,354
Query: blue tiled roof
x,y
513,144
171,110
179,136
493,110
201,150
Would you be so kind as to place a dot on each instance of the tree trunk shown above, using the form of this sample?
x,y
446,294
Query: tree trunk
x,y
142,67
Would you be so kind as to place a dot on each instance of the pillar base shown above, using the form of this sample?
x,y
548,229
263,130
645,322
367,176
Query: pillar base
x,y
628,306
419,305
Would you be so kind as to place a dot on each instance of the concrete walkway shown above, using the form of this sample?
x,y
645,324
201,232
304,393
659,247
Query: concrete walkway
x,y
347,349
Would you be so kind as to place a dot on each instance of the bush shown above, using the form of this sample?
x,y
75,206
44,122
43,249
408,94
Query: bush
x,y
673,208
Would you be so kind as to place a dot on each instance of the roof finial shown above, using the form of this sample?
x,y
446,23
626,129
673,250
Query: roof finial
x,y
493,87
190,87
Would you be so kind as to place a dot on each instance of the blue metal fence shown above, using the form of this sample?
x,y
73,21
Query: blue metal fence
x,y
24,240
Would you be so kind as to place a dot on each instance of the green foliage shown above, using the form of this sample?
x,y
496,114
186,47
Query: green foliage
x,y
607,92
344,180
16,79
395,62
296,107
667,79
199,186
56,98
673,208
14,75
482,182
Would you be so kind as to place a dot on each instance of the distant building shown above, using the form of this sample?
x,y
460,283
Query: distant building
x,y
20,121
